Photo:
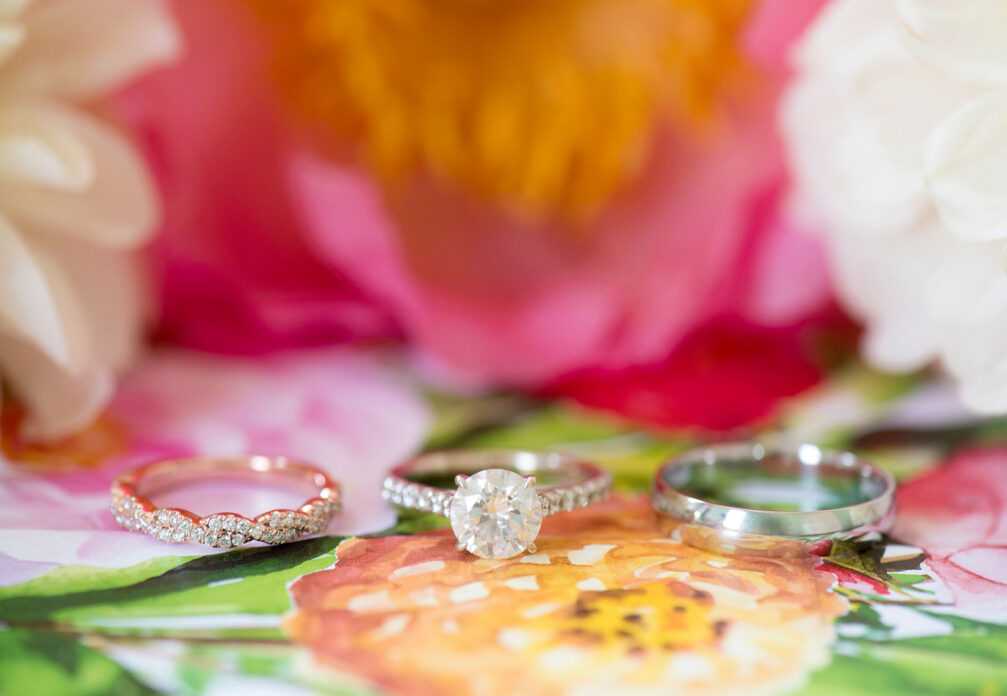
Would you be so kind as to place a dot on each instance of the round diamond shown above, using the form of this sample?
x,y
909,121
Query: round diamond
x,y
496,513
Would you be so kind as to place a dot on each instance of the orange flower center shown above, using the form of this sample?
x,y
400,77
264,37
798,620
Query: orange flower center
x,y
645,619
540,106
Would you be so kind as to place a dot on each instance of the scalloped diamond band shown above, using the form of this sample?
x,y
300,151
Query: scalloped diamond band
x,y
497,509
133,510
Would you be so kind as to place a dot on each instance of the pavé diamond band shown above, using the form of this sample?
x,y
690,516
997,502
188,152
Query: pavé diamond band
x,y
780,501
501,496
133,509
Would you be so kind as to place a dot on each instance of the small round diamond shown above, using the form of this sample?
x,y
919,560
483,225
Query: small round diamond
x,y
496,513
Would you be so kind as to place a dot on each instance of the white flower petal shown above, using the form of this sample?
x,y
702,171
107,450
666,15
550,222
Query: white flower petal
x,y
59,401
900,334
99,298
28,308
966,39
864,28
857,147
977,356
38,151
966,167
111,296
968,287
117,208
11,36
12,8
925,127
82,48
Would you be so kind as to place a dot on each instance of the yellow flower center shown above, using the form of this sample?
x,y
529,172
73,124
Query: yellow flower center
x,y
541,106
645,619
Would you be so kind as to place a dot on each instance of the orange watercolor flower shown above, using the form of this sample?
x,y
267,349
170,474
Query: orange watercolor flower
x,y
90,447
605,606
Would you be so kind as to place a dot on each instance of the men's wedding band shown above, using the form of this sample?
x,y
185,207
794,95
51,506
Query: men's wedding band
x,y
783,501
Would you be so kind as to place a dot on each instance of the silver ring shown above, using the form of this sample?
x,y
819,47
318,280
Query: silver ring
x,y
501,496
761,500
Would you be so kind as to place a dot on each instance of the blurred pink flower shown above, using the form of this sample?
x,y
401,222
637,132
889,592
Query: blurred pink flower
x,y
269,242
233,267
336,409
958,514
725,375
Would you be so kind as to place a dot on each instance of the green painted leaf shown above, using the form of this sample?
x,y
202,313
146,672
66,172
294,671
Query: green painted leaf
x,y
44,664
247,581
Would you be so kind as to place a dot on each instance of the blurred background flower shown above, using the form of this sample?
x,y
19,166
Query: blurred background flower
x,y
74,201
580,200
526,193
897,131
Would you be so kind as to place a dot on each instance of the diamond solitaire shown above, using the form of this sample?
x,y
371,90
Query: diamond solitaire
x,y
496,512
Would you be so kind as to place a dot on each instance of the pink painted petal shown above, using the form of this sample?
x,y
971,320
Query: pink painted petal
x,y
13,571
332,407
340,410
962,503
975,596
984,562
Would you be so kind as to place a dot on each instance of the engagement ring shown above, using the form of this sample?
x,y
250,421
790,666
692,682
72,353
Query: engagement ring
x,y
501,496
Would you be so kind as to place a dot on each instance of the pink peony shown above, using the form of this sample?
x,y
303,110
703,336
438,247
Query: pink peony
x,y
234,268
270,241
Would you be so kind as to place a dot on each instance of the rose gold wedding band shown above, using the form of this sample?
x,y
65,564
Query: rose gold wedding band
x,y
133,509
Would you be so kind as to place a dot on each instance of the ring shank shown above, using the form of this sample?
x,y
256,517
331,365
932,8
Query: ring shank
x,y
566,469
686,492
168,475
565,482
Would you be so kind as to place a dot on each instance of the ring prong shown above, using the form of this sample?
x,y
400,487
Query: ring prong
x,y
530,481
460,479
460,545
532,548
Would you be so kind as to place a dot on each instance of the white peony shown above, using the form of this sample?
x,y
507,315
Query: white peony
x,y
896,124
75,200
